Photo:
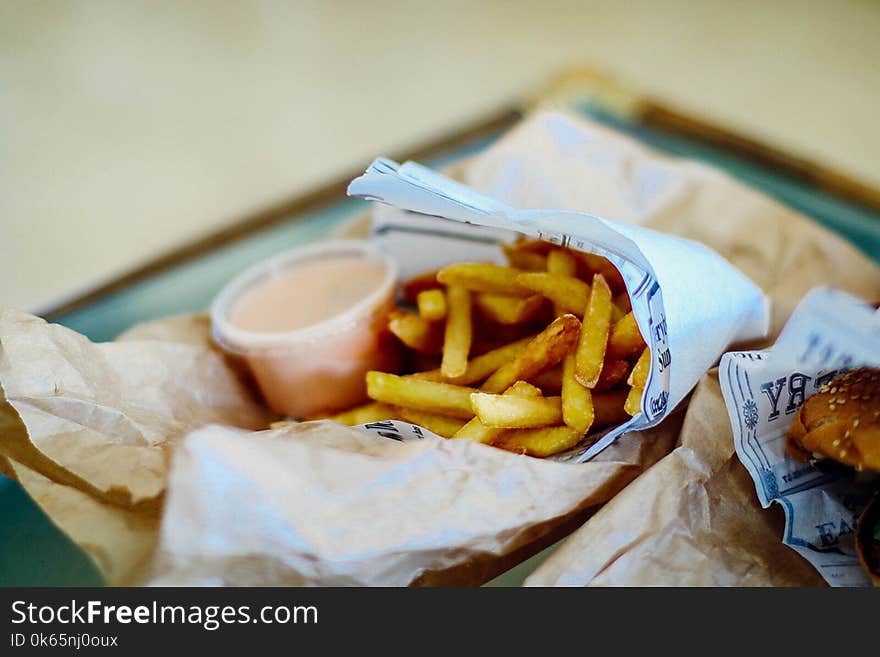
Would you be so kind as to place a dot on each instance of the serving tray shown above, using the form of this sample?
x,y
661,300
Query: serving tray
x,y
34,553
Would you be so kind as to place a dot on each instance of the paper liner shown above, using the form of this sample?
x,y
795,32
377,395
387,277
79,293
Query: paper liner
x,y
689,302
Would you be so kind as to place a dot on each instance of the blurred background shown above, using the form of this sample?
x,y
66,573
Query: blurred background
x,y
130,128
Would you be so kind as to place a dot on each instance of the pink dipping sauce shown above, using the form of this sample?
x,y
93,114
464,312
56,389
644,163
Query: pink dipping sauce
x,y
310,323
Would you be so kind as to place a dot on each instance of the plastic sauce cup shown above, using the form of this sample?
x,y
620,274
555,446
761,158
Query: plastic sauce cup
x,y
309,354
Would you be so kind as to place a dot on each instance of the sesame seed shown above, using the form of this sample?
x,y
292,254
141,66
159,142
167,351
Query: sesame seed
x,y
842,453
855,423
832,406
833,390
835,442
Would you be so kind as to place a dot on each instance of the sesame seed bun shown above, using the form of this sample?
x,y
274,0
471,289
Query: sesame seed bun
x,y
841,422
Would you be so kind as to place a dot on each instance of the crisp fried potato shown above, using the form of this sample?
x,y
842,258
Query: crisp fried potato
x,y
415,332
625,339
616,314
440,424
480,367
562,263
505,309
567,293
608,408
523,259
541,442
432,304
419,283
531,245
594,334
549,381
513,412
459,333
577,401
596,264
370,412
639,375
479,432
544,351
614,372
623,303
484,277
431,396
633,403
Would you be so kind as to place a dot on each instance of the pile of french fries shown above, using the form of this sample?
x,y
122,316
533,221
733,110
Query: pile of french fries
x,y
529,357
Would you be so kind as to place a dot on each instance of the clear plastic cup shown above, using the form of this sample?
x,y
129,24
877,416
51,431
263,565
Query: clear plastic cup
x,y
319,367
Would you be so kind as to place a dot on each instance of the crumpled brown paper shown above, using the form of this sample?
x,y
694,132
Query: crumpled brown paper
x,y
317,503
693,519
87,428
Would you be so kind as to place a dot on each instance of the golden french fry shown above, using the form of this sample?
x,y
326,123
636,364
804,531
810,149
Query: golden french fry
x,y
549,381
479,432
484,277
431,396
513,412
596,264
440,424
541,442
622,302
370,412
419,283
432,304
523,259
416,332
561,262
608,408
616,314
567,293
625,338
459,333
639,375
590,354
505,309
633,403
577,401
614,372
543,351
480,367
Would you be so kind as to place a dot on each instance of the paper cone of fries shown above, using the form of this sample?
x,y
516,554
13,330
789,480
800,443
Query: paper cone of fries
x,y
688,301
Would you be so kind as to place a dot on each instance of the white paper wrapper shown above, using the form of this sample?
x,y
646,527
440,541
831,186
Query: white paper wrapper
x,y
829,333
321,504
689,302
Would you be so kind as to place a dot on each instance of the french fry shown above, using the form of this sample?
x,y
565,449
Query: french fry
x,y
459,333
370,412
523,259
484,277
505,309
590,354
431,396
479,432
561,262
480,367
567,293
639,375
614,372
622,302
544,351
549,381
633,403
419,283
596,264
440,424
432,304
512,412
625,339
616,314
531,245
541,442
577,401
608,408
416,332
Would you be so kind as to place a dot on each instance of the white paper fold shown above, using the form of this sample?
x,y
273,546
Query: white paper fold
x,y
690,302
830,332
